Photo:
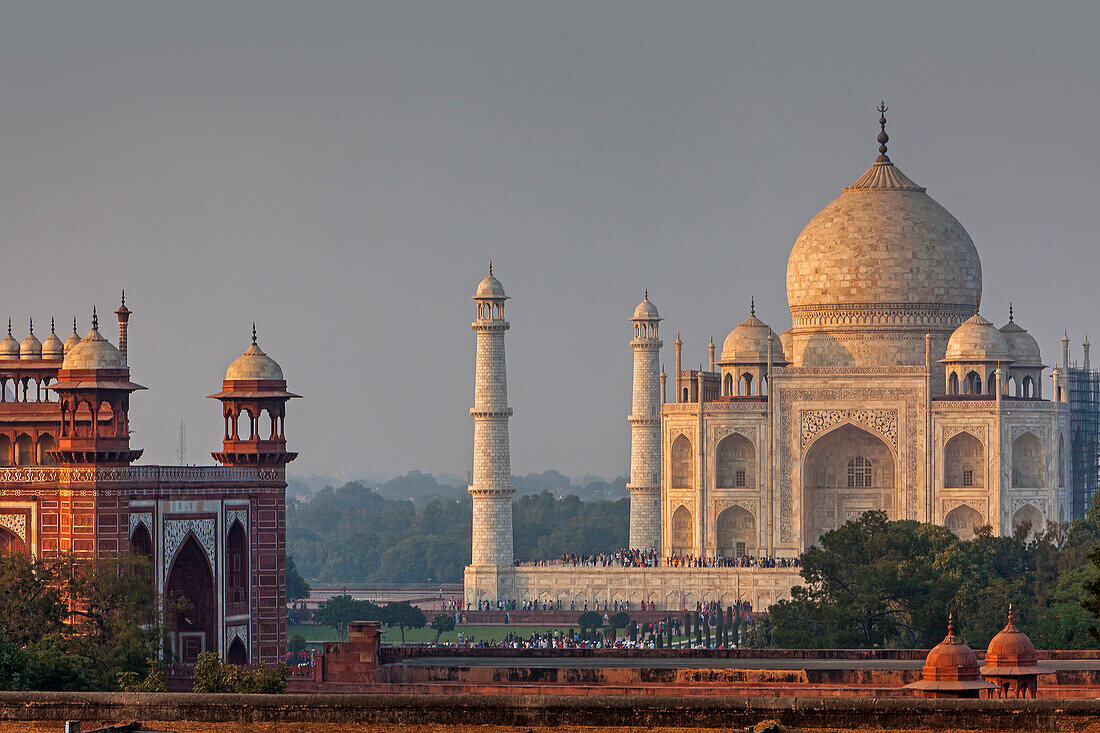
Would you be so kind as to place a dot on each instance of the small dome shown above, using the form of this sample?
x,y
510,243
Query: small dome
x,y
749,343
254,365
490,287
1021,345
9,347
52,348
645,310
1011,648
73,340
94,352
31,348
977,340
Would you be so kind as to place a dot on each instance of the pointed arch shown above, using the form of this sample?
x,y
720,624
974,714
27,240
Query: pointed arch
x,y
1028,462
189,602
736,532
964,463
681,532
682,463
963,520
735,462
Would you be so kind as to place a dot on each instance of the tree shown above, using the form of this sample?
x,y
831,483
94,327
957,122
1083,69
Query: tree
x,y
339,611
442,623
589,620
296,586
618,621
404,615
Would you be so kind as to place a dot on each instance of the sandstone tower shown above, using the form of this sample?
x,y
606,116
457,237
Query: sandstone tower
x,y
492,488
645,430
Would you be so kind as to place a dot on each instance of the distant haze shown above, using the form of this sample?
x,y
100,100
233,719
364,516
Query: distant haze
x,y
342,172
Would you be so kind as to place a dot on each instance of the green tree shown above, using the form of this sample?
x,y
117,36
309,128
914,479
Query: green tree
x,y
589,620
403,615
618,620
341,610
296,586
441,624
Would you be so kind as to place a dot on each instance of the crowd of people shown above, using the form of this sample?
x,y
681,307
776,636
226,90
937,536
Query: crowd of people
x,y
633,558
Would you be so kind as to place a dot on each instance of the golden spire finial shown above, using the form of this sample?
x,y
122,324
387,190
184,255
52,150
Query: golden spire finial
x,y
490,268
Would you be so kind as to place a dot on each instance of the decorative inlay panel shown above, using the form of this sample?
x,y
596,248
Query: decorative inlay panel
x,y
1020,502
721,431
17,523
176,530
950,431
1039,430
236,515
749,505
145,518
884,422
236,632
979,505
142,474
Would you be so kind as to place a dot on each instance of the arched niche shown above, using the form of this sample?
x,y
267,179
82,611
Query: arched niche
x,y
1028,514
1028,462
236,570
736,532
845,473
682,463
735,462
189,603
140,540
964,462
237,654
963,520
46,443
11,544
681,532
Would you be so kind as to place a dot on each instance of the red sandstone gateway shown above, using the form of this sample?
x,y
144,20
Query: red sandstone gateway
x,y
216,535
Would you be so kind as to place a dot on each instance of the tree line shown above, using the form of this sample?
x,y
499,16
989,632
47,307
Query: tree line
x,y
354,534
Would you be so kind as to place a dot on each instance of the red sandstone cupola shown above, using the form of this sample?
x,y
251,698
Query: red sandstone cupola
x,y
93,388
254,401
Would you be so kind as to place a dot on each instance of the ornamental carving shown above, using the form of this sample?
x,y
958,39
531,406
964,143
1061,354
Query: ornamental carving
x,y
978,505
721,431
914,439
176,531
145,518
16,523
142,474
748,505
676,432
884,422
236,632
950,431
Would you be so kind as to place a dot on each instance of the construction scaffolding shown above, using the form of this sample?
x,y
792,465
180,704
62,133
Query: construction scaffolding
x,y
1084,399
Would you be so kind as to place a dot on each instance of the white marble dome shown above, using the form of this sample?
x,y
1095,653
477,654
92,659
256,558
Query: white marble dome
x,y
1021,345
977,340
645,311
490,287
749,343
52,348
9,347
31,348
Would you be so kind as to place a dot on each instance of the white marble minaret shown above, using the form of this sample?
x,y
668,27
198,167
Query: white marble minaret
x,y
492,488
645,430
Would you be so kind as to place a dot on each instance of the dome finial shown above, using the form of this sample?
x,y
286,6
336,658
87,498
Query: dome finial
x,y
883,138
74,324
32,326
95,319
1011,315
646,294
124,297
51,325
951,623
752,305
490,268
1010,613
253,332
9,326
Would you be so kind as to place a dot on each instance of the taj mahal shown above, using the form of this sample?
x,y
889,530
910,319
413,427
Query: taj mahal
x,y
890,391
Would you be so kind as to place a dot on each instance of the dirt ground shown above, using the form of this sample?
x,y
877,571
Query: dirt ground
x,y
184,727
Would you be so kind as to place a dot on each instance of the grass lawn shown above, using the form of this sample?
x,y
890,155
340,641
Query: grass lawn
x,y
392,635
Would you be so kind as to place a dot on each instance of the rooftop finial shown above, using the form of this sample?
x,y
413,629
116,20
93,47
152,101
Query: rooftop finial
x,y
124,297
52,331
951,623
490,268
74,324
9,326
1010,613
32,327
95,319
752,305
647,293
883,138
1011,315
253,332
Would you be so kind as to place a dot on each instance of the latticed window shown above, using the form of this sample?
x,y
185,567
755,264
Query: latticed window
x,y
859,473
968,477
739,549
739,477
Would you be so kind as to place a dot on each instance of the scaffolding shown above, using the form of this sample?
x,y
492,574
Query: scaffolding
x,y
1084,400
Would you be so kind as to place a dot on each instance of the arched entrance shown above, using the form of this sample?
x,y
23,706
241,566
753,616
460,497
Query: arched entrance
x,y
1029,459
236,571
681,532
736,533
962,520
845,473
140,541
189,603
683,469
237,653
10,544
736,463
964,462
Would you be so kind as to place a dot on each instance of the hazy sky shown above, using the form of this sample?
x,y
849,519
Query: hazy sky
x,y
341,172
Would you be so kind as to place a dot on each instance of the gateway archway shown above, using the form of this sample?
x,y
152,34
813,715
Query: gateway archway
x,y
846,472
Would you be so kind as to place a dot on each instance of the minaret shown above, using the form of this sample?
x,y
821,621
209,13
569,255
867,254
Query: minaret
x,y
123,314
710,349
492,488
645,431
679,348
1086,348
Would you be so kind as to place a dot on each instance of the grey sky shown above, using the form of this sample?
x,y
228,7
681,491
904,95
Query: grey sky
x,y
341,173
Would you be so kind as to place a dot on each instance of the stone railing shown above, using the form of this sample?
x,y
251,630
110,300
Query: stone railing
x,y
139,474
